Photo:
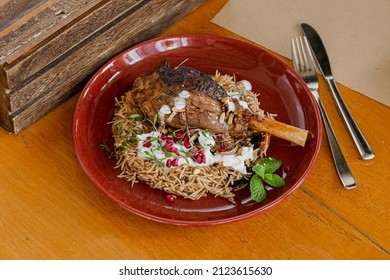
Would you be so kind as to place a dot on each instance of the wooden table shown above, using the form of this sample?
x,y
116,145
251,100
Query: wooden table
x,y
50,209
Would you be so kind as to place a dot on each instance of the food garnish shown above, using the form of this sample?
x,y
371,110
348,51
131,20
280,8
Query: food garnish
x,y
264,172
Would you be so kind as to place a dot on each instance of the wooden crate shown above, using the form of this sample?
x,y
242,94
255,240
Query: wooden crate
x,y
49,48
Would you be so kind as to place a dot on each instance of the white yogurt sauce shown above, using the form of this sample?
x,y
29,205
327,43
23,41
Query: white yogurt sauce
x,y
231,106
184,94
180,100
154,151
247,85
234,94
180,103
243,104
205,139
164,110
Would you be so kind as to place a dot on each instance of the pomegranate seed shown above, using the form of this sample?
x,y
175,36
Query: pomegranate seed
x,y
147,144
201,152
204,159
186,138
222,149
219,137
286,168
198,158
187,144
175,162
163,137
169,198
178,134
168,163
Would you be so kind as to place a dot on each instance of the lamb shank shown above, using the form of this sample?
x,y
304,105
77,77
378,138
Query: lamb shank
x,y
184,97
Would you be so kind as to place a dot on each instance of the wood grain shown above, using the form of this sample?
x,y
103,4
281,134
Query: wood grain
x,y
21,67
58,81
13,10
51,210
40,25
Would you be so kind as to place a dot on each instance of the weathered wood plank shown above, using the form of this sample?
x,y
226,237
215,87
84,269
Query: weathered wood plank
x,y
13,10
97,47
25,66
60,81
40,25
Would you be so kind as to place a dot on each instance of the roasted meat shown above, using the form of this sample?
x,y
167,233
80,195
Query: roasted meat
x,y
162,87
183,97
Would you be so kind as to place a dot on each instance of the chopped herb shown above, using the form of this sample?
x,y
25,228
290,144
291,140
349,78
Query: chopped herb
x,y
106,149
119,126
204,133
155,120
137,117
167,154
186,159
154,139
152,157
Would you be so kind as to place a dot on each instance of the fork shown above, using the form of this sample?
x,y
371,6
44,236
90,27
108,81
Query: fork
x,y
304,64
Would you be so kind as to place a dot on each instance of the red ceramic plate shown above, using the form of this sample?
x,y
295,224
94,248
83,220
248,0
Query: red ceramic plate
x,y
281,90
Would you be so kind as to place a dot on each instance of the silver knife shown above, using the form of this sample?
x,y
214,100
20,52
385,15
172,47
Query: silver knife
x,y
321,56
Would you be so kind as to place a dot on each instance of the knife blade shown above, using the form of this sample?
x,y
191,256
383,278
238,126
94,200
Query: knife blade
x,y
321,56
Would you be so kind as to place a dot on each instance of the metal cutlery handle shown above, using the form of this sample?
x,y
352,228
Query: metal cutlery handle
x,y
342,167
364,148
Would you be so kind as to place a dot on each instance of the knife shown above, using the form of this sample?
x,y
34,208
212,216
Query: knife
x,y
321,56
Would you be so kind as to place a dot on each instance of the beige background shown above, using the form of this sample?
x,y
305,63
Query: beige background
x,y
356,35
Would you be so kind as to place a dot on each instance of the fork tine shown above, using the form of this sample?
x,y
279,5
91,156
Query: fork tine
x,y
302,51
302,57
310,59
294,54
302,54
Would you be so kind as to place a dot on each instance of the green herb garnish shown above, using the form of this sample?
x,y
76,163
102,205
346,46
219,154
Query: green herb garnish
x,y
106,149
264,172
155,121
137,117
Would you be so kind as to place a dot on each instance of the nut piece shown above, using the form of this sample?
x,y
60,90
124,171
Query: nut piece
x,y
222,118
230,120
196,171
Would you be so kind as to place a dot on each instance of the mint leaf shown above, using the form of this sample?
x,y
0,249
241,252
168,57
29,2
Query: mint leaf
x,y
270,164
259,169
257,189
274,180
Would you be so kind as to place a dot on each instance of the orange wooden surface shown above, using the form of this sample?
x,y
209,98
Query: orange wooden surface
x,y
50,210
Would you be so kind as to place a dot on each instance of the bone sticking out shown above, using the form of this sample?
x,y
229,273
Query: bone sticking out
x,y
281,130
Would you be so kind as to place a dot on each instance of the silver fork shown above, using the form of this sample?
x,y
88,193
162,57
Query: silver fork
x,y
304,64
